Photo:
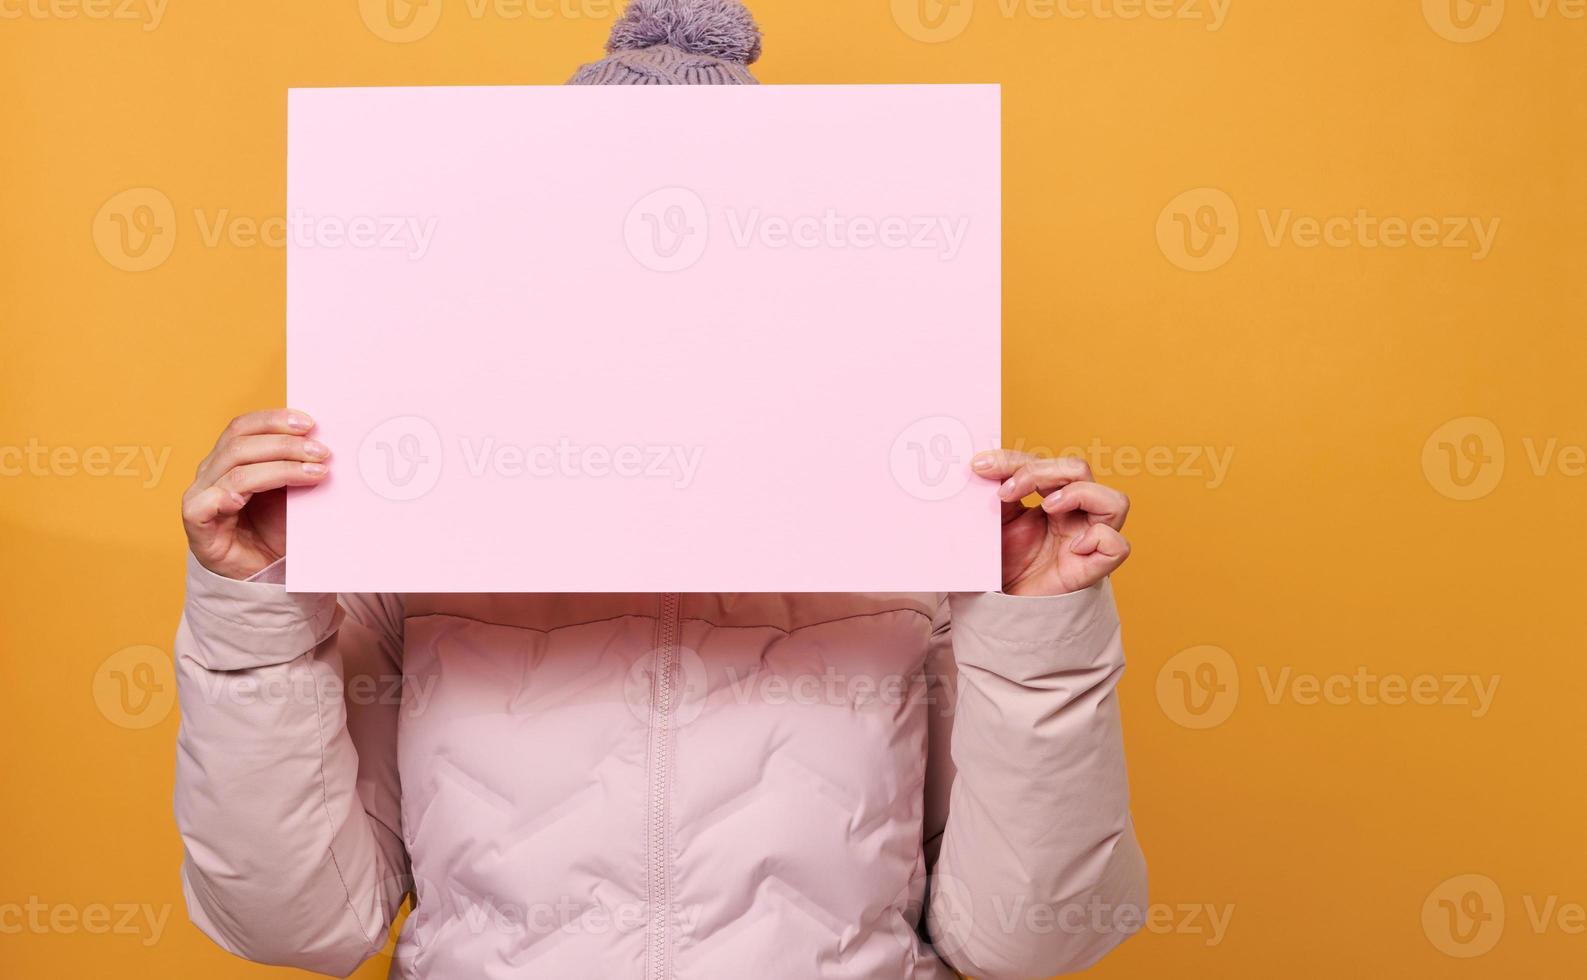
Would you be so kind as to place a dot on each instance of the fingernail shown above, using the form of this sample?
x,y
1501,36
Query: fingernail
x,y
981,463
1075,544
236,497
314,469
1052,500
315,449
299,423
1006,488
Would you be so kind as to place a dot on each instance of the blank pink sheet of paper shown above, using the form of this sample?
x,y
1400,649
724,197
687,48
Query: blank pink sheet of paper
x,y
645,339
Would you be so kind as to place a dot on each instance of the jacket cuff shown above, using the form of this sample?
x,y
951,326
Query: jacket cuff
x,y
1072,630
237,625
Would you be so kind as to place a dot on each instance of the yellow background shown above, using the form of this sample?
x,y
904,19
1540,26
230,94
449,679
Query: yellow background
x,y
1336,540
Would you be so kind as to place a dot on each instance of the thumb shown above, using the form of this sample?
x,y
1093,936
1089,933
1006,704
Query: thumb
x,y
1103,542
211,506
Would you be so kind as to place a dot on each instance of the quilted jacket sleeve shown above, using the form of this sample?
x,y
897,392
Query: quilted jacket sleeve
x,y
286,773
1035,866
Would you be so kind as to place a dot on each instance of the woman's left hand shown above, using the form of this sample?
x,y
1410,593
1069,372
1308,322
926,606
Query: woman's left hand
x,y
1068,543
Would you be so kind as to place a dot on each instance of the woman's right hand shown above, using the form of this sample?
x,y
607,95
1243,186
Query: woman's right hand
x,y
235,511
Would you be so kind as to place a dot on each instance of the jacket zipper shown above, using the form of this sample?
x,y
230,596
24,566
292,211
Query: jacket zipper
x,y
659,891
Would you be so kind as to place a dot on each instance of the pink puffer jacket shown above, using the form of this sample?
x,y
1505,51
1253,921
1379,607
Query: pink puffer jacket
x,y
655,786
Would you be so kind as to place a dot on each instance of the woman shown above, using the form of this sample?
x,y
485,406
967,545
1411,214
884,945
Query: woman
x,y
672,786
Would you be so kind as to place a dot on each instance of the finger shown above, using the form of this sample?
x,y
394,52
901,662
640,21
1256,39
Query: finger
x,y
999,464
258,477
1044,476
1102,542
201,509
281,421
1013,510
231,453
1099,503
284,421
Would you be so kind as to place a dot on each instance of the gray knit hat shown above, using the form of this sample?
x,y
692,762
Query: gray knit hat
x,y
677,42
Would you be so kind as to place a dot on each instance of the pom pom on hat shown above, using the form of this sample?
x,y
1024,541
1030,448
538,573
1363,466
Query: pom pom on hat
x,y
717,28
